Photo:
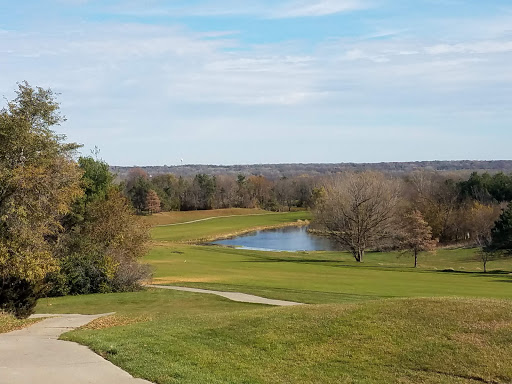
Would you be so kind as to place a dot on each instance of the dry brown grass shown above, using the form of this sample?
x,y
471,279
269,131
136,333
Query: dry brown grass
x,y
9,323
115,321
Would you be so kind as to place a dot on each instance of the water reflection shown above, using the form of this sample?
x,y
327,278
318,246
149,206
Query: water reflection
x,y
282,239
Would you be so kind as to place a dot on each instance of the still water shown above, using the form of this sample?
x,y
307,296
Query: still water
x,y
282,239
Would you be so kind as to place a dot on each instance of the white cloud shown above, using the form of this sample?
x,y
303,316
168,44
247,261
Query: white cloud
x,y
179,87
480,47
318,8
260,8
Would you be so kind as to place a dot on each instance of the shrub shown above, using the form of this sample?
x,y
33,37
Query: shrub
x,y
19,296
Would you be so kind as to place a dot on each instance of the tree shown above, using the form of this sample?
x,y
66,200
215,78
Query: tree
x,y
102,241
501,234
166,187
437,198
204,190
137,188
416,235
358,209
38,182
500,244
152,202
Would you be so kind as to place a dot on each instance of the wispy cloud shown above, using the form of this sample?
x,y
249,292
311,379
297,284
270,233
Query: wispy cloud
x,y
259,8
318,8
479,47
223,96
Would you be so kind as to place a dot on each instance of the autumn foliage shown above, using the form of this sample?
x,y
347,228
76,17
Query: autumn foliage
x,y
48,206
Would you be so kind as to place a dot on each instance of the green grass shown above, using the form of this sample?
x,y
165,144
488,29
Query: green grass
x,y
223,226
9,323
194,338
165,218
325,277
377,322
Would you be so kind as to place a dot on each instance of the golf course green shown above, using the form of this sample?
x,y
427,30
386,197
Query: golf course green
x,y
378,322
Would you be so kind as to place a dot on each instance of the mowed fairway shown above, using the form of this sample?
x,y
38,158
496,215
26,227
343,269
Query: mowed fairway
x,y
377,322
322,277
314,277
224,226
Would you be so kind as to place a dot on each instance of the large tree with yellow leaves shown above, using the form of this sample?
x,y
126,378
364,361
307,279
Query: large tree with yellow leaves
x,y
39,180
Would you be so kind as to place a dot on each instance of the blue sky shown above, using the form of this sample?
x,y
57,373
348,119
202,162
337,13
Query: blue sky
x,y
231,82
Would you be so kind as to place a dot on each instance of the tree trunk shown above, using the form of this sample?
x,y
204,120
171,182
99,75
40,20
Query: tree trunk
x,y
485,266
415,259
360,255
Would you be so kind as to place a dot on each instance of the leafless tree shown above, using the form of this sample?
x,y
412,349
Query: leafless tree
x,y
358,210
436,197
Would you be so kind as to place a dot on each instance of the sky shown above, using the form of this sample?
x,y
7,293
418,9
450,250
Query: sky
x,y
150,82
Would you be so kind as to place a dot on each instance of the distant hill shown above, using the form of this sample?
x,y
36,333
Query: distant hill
x,y
274,171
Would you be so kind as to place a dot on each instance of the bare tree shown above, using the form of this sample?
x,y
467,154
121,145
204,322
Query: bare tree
x,y
436,197
482,221
152,202
416,235
358,209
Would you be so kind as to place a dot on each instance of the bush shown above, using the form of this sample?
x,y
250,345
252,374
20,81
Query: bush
x,y
100,254
19,296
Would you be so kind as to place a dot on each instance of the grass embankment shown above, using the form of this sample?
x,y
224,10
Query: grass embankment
x,y
166,218
9,323
192,338
220,227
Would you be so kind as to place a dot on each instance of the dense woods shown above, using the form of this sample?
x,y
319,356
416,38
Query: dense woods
x,y
203,192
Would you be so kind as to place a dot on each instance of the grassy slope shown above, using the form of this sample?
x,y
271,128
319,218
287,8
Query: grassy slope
x,y
9,323
320,277
223,226
178,337
181,217
193,338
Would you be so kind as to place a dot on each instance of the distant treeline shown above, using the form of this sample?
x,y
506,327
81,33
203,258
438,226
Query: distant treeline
x,y
277,171
151,194
453,205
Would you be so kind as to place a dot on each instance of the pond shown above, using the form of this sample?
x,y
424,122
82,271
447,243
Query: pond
x,y
282,239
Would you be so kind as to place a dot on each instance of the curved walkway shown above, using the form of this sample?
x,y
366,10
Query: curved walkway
x,y
35,355
235,296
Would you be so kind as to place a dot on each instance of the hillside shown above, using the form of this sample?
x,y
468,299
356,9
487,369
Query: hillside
x,y
275,171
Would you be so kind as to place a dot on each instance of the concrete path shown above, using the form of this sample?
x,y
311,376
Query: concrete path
x,y
35,355
235,296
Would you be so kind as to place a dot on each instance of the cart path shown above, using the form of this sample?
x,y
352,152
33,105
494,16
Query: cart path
x,y
218,217
35,355
235,296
